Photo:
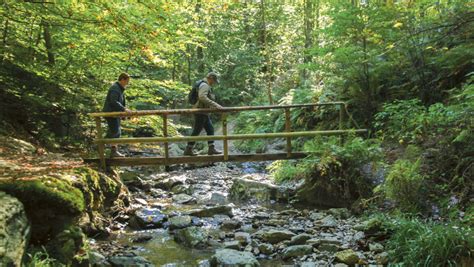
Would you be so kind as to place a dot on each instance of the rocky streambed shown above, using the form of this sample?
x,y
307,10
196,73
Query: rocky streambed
x,y
230,215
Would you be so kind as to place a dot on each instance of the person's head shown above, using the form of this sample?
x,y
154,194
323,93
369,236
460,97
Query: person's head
x,y
212,78
124,79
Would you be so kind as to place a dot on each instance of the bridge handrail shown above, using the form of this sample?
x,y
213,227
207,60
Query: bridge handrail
x,y
288,134
207,110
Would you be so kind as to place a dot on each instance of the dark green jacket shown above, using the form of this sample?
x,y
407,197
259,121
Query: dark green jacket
x,y
115,100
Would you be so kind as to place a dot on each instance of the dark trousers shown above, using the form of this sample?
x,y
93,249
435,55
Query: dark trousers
x,y
202,121
113,130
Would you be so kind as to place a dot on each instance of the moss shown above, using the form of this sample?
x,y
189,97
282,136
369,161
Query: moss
x,y
99,190
48,191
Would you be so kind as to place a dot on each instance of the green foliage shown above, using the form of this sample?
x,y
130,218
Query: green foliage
x,y
41,259
416,243
284,170
255,122
404,184
338,165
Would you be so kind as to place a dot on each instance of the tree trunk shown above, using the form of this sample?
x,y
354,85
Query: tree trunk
x,y
199,51
5,32
48,43
263,48
308,33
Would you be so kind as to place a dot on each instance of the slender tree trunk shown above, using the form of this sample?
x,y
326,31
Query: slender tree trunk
x,y
5,32
48,43
199,51
263,47
308,33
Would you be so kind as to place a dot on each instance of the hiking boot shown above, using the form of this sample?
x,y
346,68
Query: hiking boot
x,y
213,151
189,151
114,153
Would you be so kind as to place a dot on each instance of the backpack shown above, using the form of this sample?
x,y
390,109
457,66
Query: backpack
x,y
194,93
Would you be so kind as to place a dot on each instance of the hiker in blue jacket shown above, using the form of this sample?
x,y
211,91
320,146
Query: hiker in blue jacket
x,y
115,102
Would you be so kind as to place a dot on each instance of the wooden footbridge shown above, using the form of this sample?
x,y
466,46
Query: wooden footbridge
x,y
166,159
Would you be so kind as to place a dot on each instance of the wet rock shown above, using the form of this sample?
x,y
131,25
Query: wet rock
x,y
299,239
191,237
347,256
296,251
14,230
209,212
168,183
376,247
339,213
275,236
370,226
316,216
147,218
261,216
232,244
244,189
97,259
330,240
181,189
129,261
218,198
358,236
228,225
179,222
328,222
382,258
243,238
276,222
183,199
266,248
341,265
230,257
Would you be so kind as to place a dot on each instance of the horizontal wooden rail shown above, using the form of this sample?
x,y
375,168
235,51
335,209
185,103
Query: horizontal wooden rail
x,y
207,110
223,137
141,161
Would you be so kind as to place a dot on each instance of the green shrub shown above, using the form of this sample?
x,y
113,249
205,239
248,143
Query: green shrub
x,y
416,243
404,184
409,121
283,170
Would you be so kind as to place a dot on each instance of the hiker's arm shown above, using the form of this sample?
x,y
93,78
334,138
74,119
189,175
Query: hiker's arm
x,y
114,101
203,92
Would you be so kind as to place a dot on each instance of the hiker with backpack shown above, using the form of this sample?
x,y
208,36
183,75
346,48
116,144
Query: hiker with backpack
x,y
201,96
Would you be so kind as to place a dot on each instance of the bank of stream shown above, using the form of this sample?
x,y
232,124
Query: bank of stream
x,y
229,214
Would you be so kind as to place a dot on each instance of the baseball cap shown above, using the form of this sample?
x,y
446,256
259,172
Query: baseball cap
x,y
213,76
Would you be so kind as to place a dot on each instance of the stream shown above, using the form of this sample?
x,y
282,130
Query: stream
x,y
187,216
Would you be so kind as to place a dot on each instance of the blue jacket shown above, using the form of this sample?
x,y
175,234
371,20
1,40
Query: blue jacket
x,y
115,100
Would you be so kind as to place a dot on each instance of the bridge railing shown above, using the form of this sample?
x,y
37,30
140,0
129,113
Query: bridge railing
x,y
288,134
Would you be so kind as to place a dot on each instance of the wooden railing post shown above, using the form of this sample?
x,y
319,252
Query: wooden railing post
x,y
101,146
288,129
165,134
341,121
224,132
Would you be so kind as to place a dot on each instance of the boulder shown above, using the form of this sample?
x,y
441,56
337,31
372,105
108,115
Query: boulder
x,y
230,257
179,222
299,239
275,236
14,231
347,256
244,189
183,199
296,251
147,218
191,237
